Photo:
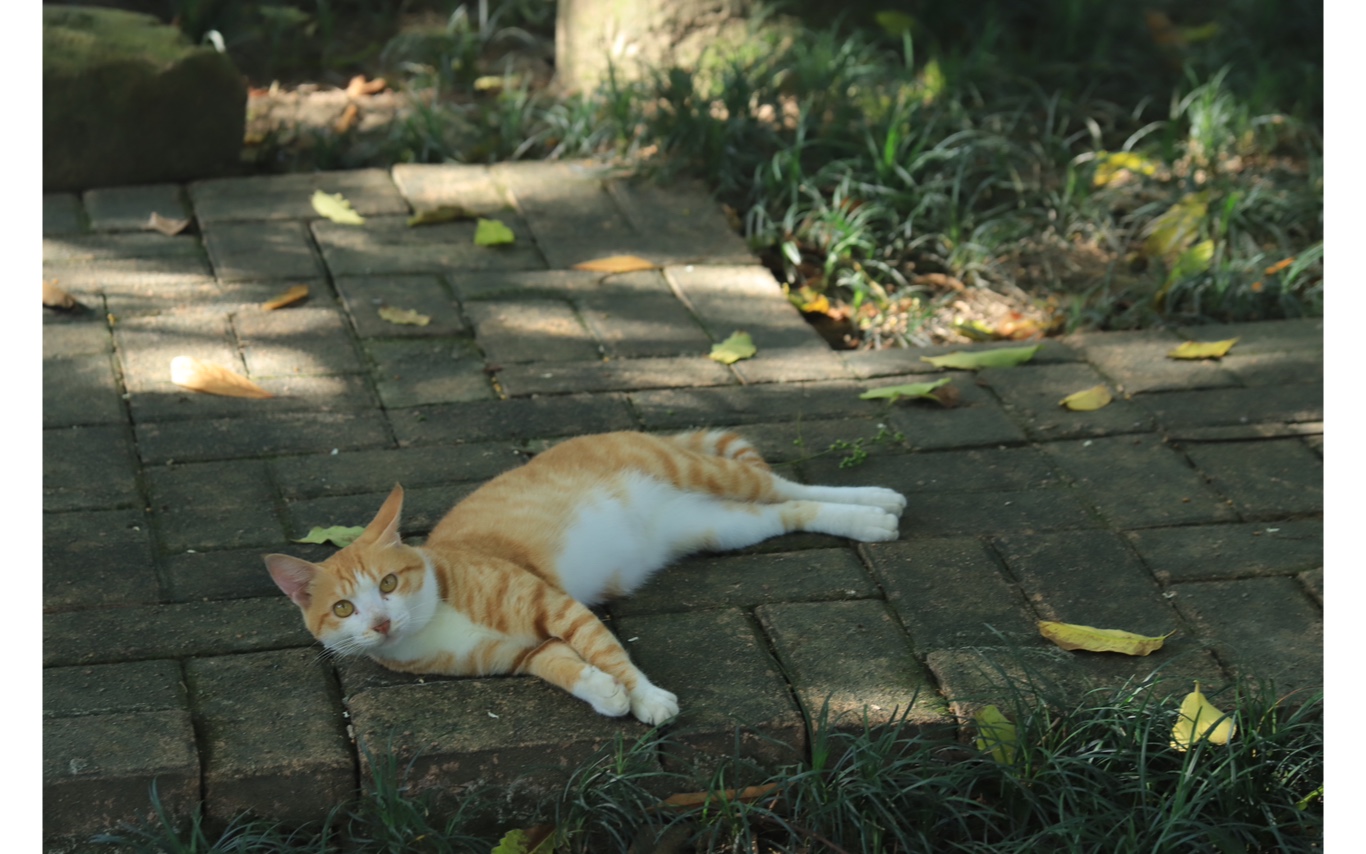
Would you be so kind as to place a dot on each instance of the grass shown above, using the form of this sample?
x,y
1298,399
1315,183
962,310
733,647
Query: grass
x,y
1099,775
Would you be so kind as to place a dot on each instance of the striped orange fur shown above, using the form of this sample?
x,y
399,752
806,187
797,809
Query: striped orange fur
x,y
503,582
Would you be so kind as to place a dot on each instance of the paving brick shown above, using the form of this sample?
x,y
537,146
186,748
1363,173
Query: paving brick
x,y
981,513
423,507
851,663
129,208
1271,479
976,419
113,689
257,250
389,246
1220,552
135,284
839,438
205,506
726,299
89,468
1182,410
263,435
1089,577
429,185
1034,393
683,408
298,394
109,635
87,249
98,558
147,345
370,192
643,325
974,470
1312,582
427,371
791,364
63,214
1262,337
1276,368
195,576
296,769
377,471
1137,362
530,331
472,285
729,690
746,580
81,390
682,222
300,341
951,592
428,295
569,211
611,375
1262,628
892,361
67,336
98,770
1139,481
525,418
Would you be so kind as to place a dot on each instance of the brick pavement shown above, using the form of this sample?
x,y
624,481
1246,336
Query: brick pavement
x,y
1193,503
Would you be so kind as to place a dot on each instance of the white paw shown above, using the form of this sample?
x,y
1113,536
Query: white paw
x,y
652,704
885,499
606,695
874,526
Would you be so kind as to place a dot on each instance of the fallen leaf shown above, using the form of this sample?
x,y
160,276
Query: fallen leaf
x,y
975,360
1087,400
403,316
58,298
1279,266
491,232
348,119
975,330
893,392
616,264
195,375
738,346
1199,719
996,735
1091,639
444,213
1202,349
688,800
289,297
359,86
166,225
337,535
1115,167
336,208
1171,233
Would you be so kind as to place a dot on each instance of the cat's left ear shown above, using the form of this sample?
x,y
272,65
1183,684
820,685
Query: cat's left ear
x,y
383,529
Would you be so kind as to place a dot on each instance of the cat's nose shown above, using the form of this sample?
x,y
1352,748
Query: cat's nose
x,y
382,628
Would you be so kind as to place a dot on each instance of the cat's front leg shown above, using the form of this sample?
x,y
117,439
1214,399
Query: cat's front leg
x,y
557,663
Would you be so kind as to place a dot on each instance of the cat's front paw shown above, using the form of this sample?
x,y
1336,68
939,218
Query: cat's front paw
x,y
653,705
606,695
875,526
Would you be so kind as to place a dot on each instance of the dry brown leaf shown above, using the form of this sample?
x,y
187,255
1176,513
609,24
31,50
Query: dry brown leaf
x,y
359,86
347,120
688,800
55,297
289,297
166,225
189,372
616,264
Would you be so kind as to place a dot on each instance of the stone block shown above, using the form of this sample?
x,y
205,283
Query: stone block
x,y
1137,362
96,559
427,186
262,250
518,419
611,375
63,214
130,208
274,197
299,341
77,335
206,506
1034,393
952,514
684,408
1182,410
975,470
428,295
388,246
377,471
195,576
1269,479
89,468
260,435
418,372
423,507
113,689
643,325
1221,552
81,390
976,419
683,222
530,331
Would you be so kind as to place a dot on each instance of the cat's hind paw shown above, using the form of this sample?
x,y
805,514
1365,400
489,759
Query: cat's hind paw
x,y
653,705
606,695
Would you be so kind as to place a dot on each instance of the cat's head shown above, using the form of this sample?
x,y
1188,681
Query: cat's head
x,y
367,597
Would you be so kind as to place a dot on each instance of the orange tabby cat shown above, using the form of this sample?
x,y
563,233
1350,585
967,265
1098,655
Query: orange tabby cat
x,y
502,582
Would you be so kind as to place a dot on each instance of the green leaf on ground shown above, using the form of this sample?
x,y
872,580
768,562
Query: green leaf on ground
x,y
1203,349
336,208
976,360
738,346
894,392
1200,719
1087,400
996,735
338,535
492,232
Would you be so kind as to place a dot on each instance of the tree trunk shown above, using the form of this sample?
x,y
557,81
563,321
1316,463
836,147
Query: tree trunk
x,y
632,36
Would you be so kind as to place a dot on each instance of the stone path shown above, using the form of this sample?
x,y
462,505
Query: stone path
x,y
1192,504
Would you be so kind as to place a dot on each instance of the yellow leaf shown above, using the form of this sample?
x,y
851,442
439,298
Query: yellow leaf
x,y
166,225
1088,399
1091,639
1199,719
336,208
616,264
403,316
1115,165
1171,233
1203,349
289,297
491,232
195,375
738,346
892,392
971,361
444,213
996,735
338,535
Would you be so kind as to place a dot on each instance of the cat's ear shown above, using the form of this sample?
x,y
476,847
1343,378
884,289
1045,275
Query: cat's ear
x,y
383,529
292,575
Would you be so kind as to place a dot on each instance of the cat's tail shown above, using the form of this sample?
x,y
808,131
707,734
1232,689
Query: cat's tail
x,y
722,443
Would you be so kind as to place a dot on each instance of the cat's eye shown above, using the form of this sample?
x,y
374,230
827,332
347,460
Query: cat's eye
x,y
343,608
388,583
